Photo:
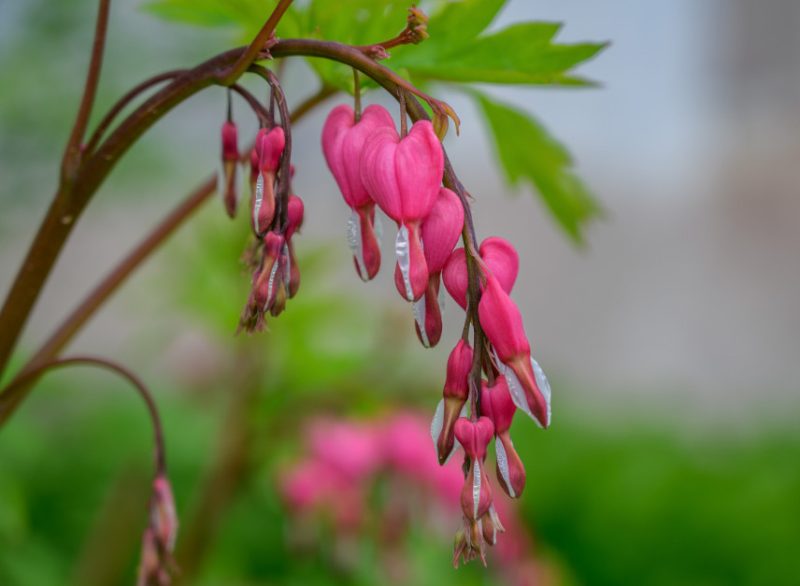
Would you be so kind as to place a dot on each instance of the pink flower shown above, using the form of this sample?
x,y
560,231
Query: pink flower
x,y
474,436
343,141
455,393
353,450
498,256
502,322
269,148
497,404
295,215
230,160
440,232
403,176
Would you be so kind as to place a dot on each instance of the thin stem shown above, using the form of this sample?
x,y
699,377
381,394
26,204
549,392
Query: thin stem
x,y
72,153
263,37
126,99
403,121
258,108
357,95
152,409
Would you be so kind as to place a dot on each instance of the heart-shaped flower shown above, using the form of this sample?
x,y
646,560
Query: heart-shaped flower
x,y
474,437
498,256
455,394
498,405
343,140
403,176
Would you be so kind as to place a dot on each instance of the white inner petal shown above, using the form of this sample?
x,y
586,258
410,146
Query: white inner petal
x,y
437,423
286,260
502,465
271,283
259,199
516,390
354,241
543,384
419,316
476,488
401,249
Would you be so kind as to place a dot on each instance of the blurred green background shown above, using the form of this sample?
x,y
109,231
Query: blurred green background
x,y
671,340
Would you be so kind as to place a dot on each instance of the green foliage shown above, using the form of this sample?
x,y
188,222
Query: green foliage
x,y
528,153
462,49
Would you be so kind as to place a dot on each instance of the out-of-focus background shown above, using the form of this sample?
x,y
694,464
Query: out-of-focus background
x,y
671,339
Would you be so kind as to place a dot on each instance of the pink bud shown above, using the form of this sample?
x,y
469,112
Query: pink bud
x,y
294,216
498,255
230,160
294,271
442,228
428,314
270,149
474,436
497,404
502,322
265,285
403,176
456,392
230,142
164,520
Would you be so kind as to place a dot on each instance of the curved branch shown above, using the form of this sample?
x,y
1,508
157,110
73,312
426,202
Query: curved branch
x,y
126,99
72,153
147,397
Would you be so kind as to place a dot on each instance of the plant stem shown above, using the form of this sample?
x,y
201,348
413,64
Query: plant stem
x,y
126,99
250,54
72,153
147,397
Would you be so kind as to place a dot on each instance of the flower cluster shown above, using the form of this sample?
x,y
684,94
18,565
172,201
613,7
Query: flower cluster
x,y
405,176
402,175
347,460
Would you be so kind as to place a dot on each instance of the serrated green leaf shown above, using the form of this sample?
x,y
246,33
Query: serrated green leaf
x,y
519,54
529,154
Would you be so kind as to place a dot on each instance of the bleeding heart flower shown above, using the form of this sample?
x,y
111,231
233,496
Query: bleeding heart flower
x,y
268,293
455,394
269,148
403,176
230,160
474,436
498,256
295,215
501,320
343,141
497,404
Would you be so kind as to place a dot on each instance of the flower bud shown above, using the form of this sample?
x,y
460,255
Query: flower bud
x,y
403,176
269,148
498,256
502,322
428,314
474,436
230,161
456,393
343,141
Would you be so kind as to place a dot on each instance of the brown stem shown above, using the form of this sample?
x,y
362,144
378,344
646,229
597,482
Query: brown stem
x,y
263,37
356,95
158,432
72,153
258,108
126,99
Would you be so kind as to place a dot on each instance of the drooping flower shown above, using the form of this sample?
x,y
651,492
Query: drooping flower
x,y
440,232
269,148
455,395
295,216
230,161
158,542
501,320
497,404
268,293
403,176
343,140
498,256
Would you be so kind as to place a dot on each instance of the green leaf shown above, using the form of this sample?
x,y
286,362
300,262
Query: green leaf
x,y
523,53
529,154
